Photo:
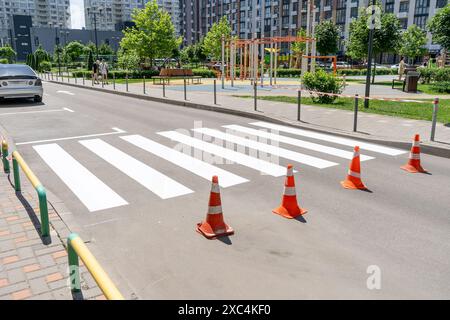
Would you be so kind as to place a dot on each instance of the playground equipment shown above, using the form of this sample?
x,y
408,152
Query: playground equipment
x,y
250,53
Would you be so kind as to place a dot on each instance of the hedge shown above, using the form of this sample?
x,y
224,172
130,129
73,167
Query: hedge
x,y
289,73
138,74
428,75
362,72
4,61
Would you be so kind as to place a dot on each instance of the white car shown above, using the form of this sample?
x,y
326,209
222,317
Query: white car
x,y
19,81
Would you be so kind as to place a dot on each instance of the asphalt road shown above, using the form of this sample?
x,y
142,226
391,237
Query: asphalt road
x,y
139,210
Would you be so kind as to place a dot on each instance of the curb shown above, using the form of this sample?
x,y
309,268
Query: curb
x,y
427,147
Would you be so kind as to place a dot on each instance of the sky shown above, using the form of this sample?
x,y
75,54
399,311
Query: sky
x,y
77,13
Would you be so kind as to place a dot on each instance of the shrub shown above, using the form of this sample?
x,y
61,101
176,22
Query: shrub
x,y
289,73
322,82
362,72
45,66
442,87
434,74
205,73
3,61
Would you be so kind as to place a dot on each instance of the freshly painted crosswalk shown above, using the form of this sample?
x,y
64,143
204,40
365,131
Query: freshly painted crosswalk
x,y
243,159
196,166
297,142
331,138
91,191
261,137
281,152
150,178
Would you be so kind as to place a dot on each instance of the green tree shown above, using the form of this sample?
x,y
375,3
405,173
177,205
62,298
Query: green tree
x,y
413,43
327,37
73,50
386,38
128,60
439,26
89,59
212,43
6,52
91,46
105,49
42,54
299,47
153,35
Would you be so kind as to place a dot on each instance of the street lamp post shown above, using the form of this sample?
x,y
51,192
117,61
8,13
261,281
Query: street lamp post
x,y
94,13
57,48
369,56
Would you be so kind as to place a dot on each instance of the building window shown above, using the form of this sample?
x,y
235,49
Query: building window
x,y
422,7
420,21
441,3
389,7
354,12
404,23
404,6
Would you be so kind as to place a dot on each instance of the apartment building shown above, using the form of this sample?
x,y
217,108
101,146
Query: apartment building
x,y
112,13
286,17
43,13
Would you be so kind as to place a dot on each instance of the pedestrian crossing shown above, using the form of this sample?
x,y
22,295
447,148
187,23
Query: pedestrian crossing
x,y
234,143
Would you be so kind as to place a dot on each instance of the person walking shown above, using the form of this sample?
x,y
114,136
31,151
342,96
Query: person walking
x,y
95,67
401,69
104,71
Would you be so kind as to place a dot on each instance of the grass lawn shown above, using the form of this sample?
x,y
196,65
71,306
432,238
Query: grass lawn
x,y
425,88
411,110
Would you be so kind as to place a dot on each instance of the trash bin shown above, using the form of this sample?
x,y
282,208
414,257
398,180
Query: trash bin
x,y
412,77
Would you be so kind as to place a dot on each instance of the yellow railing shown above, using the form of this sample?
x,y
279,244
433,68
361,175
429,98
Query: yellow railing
x,y
76,248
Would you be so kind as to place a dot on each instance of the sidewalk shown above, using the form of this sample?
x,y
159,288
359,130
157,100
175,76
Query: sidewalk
x,y
31,268
379,126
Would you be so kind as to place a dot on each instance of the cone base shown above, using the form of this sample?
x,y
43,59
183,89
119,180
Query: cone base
x,y
412,169
289,214
206,230
348,184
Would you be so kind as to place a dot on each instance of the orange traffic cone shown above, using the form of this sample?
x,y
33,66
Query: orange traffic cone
x,y
214,226
413,164
289,207
353,180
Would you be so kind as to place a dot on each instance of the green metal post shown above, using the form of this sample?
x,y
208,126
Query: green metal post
x,y
16,174
45,228
5,158
74,267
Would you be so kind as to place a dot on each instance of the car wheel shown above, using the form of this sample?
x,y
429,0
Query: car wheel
x,y
37,99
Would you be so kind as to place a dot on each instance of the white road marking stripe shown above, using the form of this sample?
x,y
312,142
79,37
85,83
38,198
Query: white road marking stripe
x,y
66,92
281,152
116,131
198,167
150,178
67,109
91,191
28,112
331,138
297,142
243,159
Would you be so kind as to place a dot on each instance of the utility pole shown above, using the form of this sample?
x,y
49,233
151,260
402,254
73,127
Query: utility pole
x,y
370,48
95,31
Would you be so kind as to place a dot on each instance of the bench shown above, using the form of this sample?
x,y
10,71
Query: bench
x,y
403,82
166,74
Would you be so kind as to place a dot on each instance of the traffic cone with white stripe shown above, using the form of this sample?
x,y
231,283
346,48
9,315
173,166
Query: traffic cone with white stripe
x,y
289,207
214,226
413,164
353,180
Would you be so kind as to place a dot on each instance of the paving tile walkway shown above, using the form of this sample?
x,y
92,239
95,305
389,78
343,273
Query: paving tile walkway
x,y
32,267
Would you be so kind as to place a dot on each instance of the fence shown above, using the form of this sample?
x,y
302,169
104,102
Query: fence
x,y
76,248
42,195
